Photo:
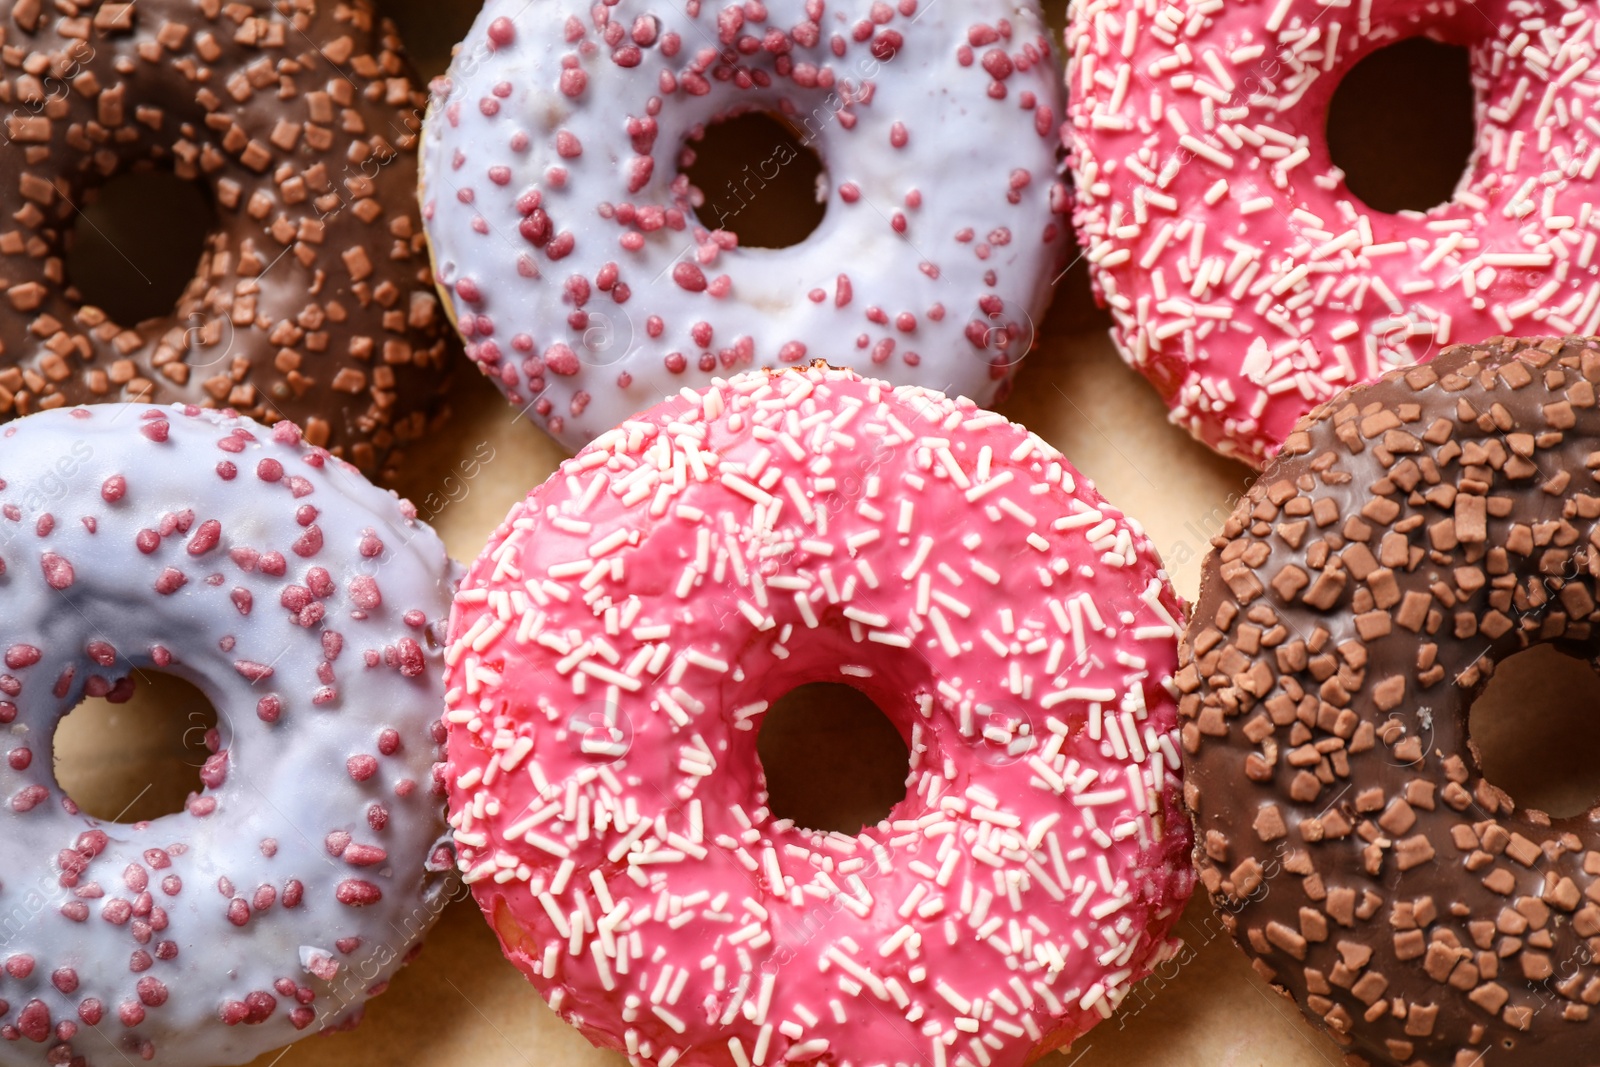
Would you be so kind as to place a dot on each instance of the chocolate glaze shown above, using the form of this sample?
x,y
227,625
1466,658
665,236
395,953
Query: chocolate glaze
x,y
1412,534
312,300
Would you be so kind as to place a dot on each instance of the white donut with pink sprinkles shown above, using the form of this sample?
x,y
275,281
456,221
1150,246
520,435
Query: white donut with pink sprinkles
x,y
1246,281
566,239
613,653
303,601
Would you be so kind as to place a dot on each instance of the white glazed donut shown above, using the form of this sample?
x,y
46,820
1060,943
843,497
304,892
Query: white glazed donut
x,y
567,243
303,602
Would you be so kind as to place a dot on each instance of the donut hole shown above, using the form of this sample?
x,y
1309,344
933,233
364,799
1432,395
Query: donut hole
x,y
1401,126
136,244
1535,728
753,176
138,759
831,758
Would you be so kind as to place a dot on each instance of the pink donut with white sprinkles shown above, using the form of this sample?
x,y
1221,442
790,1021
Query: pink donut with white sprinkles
x,y
567,242
1246,281
616,645
305,604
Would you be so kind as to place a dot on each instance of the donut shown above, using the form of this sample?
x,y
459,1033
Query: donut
x,y
614,648
1244,278
585,272
312,300
307,605
1411,534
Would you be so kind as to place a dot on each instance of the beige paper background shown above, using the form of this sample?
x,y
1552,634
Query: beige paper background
x,y
462,1004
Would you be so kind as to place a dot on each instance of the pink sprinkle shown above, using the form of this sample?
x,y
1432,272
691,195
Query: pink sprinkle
x,y
34,1022
502,32
251,670
320,581
389,741
898,135
156,429
355,893
18,656
58,571
205,538
411,660
561,246
689,277
561,359
364,855
113,488
215,770
170,582
310,542
361,767
269,708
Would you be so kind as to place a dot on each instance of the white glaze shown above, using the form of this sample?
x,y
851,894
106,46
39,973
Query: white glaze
x,y
913,129
74,575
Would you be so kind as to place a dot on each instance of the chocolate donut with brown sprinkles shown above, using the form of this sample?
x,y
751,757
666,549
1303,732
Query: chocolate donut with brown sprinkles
x,y
312,300
1411,534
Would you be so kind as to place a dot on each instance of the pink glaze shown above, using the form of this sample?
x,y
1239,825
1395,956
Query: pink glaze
x,y
1246,280
589,279
613,651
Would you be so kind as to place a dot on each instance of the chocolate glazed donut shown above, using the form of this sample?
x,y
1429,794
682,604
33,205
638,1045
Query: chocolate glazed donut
x,y
312,300
1412,534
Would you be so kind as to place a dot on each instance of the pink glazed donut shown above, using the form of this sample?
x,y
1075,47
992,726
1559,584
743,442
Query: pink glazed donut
x,y
1246,281
613,651
566,239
